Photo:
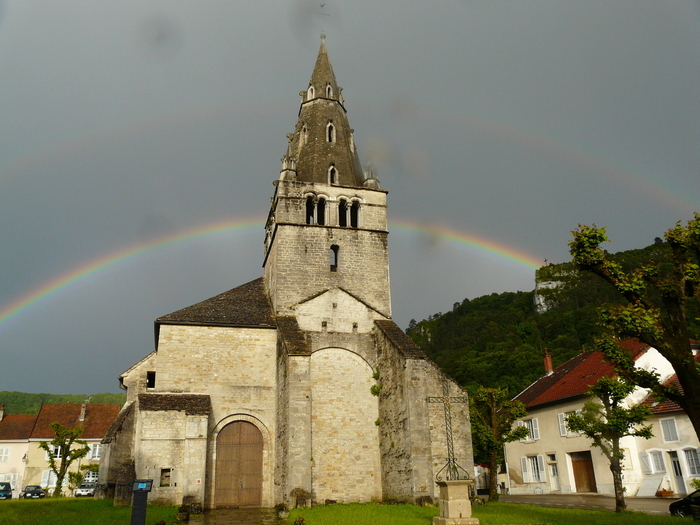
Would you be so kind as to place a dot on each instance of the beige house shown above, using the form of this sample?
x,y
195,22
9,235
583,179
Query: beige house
x,y
554,459
15,430
297,387
93,419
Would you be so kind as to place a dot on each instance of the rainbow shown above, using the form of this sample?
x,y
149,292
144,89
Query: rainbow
x,y
102,265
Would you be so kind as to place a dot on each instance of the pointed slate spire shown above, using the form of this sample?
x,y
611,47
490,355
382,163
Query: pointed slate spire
x,y
322,143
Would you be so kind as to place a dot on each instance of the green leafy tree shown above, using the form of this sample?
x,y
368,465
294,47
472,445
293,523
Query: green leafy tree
x,y
75,478
63,450
660,295
608,421
492,415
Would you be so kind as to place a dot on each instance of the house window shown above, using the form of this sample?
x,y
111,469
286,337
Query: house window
x,y
532,427
4,454
657,462
563,427
343,213
91,477
95,451
533,469
668,429
48,478
691,458
150,379
652,462
165,477
11,478
56,453
335,249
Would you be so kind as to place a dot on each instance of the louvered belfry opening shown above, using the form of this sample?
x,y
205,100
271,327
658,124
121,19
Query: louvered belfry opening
x,y
239,455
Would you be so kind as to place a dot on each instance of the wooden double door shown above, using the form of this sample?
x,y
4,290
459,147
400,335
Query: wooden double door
x,y
239,461
584,475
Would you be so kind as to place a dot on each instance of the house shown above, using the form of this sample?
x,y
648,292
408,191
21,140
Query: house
x,y
554,459
15,430
93,419
297,387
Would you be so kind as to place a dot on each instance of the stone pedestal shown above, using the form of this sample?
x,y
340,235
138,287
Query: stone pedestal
x,y
455,507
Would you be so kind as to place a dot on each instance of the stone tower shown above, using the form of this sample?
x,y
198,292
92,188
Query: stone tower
x,y
296,387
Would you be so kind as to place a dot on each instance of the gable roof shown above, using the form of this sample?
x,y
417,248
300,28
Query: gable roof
x,y
17,426
575,377
245,305
667,406
399,339
98,419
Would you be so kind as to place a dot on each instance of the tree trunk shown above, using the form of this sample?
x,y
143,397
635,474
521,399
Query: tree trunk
x,y
616,470
493,475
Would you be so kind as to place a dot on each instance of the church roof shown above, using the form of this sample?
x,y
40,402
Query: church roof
x,y
245,305
292,335
322,139
397,336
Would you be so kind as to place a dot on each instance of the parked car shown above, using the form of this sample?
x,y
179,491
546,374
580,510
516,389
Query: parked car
x,y
5,491
682,506
85,489
33,492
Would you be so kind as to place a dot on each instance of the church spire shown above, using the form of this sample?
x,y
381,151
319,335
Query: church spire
x,y
322,144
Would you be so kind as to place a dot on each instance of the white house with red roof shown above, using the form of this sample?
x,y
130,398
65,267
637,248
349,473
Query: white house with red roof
x,y
554,459
15,430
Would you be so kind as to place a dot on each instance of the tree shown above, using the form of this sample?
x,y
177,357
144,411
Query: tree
x,y
492,416
61,452
659,295
607,422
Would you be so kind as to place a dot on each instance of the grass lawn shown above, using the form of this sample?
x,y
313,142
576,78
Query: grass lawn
x,y
75,511
490,514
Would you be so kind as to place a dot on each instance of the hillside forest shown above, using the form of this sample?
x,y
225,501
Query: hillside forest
x,y
498,340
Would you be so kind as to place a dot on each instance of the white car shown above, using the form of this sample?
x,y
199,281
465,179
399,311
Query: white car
x,y
85,489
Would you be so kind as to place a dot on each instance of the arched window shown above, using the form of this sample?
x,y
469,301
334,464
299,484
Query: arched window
x,y
333,174
310,208
329,91
355,214
330,132
335,249
310,93
343,213
303,135
321,211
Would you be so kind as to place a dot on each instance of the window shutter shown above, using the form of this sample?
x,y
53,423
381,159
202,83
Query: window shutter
x,y
526,472
521,424
535,429
646,463
540,467
668,428
45,478
562,424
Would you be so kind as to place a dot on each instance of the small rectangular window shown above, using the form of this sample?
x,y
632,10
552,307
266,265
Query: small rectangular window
x,y
4,454
150,379
165,477
657,461
691,457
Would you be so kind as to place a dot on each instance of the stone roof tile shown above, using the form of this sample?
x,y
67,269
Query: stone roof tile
x,y
397,336
191,404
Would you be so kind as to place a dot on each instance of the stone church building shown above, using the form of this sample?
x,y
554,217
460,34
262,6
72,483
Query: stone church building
x,y
296,387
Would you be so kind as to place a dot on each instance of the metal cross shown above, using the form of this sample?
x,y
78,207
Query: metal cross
x,y
451,469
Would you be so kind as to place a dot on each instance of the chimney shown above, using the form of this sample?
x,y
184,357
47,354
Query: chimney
x,y
82,412
548,368
2,411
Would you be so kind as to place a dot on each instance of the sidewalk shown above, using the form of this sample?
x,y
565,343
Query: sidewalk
x,y
592,501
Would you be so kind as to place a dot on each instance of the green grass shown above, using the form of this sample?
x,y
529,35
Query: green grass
x,y
73,511
490,514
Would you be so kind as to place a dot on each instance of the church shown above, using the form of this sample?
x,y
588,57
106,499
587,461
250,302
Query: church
x,y
296,388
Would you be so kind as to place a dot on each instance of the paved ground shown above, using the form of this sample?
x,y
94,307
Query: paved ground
x,y
593,501
237,517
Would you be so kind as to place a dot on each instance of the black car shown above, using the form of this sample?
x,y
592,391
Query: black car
x,y
682,506
5,490
33,492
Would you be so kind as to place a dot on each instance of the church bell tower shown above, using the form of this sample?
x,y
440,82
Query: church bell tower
x,y
327,225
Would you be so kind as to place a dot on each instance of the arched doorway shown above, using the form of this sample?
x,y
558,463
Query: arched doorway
x,y
239,462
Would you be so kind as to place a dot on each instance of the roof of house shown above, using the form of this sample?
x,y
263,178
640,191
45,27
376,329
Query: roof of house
x,y
245,305
666,406
98,419
17,426
574,377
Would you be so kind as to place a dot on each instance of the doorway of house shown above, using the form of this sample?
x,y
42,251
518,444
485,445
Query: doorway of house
x,y
554,484
584,475
239,453
677,472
